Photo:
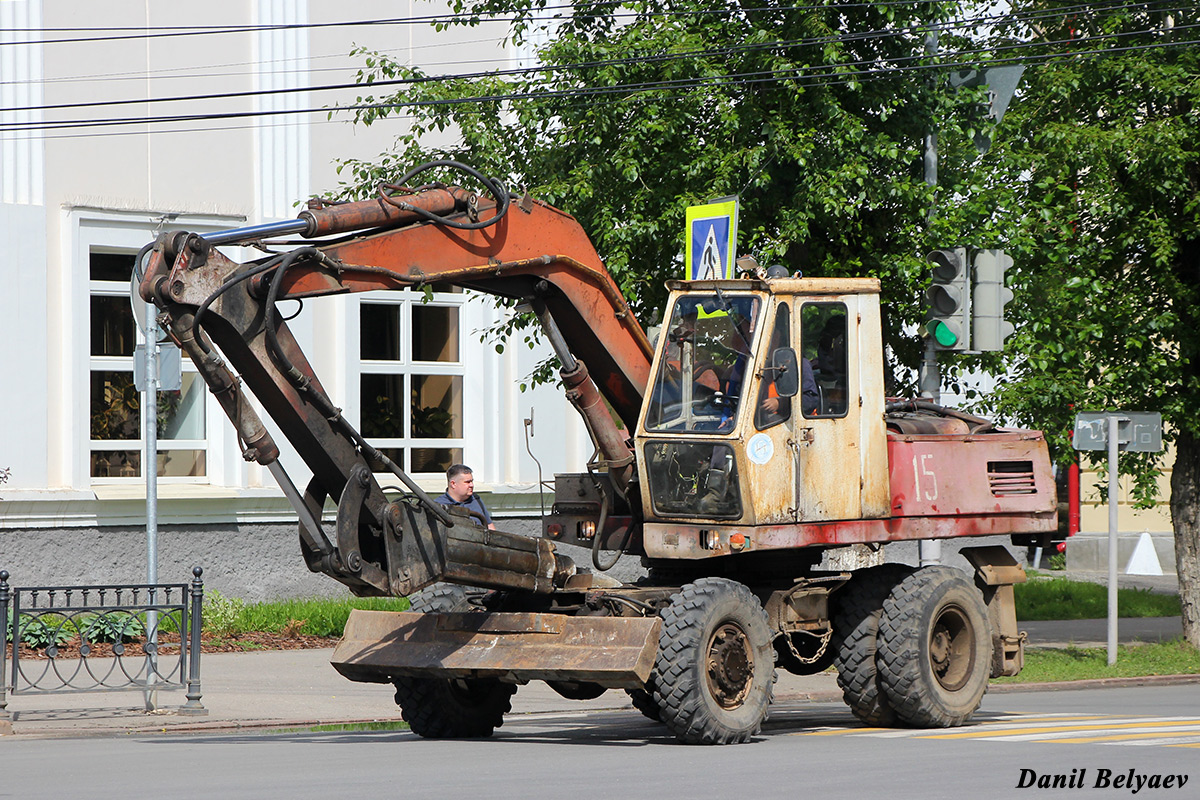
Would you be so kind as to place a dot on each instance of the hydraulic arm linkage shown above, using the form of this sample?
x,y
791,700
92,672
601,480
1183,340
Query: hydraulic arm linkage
x,y
224,316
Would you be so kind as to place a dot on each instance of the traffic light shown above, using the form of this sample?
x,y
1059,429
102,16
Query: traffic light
x,y
949,300
989,329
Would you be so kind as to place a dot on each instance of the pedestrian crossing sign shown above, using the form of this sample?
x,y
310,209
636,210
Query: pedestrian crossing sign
x,y
711,239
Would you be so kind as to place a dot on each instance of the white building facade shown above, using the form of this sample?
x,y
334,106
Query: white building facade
x,y
120,120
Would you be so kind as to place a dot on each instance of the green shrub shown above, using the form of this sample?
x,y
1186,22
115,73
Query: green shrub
x,y
118,626
222,615
38,633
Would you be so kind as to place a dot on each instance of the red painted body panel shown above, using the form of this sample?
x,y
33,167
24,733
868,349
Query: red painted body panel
x,y
970,475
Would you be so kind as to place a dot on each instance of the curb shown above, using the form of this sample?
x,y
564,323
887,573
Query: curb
x,y
216,726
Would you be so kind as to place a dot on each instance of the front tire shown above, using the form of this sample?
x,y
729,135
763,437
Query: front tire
x,y
441,708
716,666
934,648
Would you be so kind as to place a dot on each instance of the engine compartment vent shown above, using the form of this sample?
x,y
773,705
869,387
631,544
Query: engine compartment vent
x,y
1007,478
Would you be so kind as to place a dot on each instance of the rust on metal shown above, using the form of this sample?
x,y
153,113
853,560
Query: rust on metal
x,y
378,212
995,573
682,540
616,652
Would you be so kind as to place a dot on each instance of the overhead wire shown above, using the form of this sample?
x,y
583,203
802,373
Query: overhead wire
x,y
815,75
546,68
843,37
466,17
839,73
182,72
840,38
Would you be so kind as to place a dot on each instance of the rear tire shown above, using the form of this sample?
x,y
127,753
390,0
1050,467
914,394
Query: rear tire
x,y
441,708
934,648
644,702
855,631
716,667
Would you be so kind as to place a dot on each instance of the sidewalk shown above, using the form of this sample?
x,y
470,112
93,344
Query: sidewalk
x,y
299,689
288,688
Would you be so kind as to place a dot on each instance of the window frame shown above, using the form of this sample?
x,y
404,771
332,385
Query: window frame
x,y
408,368
805,338
126,364
85,230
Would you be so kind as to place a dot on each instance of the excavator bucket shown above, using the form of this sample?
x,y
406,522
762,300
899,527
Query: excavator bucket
x,y
615,652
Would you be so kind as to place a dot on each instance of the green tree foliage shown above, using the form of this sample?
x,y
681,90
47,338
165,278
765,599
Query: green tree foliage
x,y
1094,180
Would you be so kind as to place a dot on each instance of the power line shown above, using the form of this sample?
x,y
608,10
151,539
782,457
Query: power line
x,y
124,33
189,31
175,31
825,80
642,59
686,84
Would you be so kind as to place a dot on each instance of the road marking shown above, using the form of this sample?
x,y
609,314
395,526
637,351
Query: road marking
x,y
1163,736
1048,731
997,723
838,732
1058,728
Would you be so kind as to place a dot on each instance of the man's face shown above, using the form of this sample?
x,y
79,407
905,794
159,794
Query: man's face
x,y
462,487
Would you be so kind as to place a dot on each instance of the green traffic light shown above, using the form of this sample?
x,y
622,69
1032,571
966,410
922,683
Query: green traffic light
x,y
942,334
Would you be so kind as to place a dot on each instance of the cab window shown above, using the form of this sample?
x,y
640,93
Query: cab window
x,y
706,361
771,409
823,335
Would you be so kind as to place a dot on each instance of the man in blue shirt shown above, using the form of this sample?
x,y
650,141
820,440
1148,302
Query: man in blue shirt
x,y
460,491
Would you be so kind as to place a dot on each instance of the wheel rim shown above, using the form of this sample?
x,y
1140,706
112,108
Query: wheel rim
x,y
730,665
952,648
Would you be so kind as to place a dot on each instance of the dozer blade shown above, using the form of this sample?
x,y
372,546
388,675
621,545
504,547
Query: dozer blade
x,y
616,652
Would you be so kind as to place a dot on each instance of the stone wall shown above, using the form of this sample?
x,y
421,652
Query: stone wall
x,y
253,562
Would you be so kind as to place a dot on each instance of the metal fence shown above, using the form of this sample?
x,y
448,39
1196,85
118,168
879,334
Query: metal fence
x,y
129,637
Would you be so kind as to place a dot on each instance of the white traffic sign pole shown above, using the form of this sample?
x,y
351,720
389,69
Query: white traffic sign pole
x,y
1099,431
1113,488
150,470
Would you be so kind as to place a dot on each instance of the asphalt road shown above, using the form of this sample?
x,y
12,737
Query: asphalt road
x,y
808,750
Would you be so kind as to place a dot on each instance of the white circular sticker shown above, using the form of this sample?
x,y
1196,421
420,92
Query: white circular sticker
x,y
760,448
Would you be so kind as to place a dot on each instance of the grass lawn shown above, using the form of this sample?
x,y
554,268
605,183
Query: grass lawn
x,y
312,616
1042,598
1048,665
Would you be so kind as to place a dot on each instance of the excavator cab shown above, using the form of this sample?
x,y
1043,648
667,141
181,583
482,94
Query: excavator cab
x,y
754,413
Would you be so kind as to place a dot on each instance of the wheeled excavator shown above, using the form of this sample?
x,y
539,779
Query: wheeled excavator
x,y
754,437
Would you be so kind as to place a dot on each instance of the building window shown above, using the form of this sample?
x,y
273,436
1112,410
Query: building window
x,y
411,378
115,406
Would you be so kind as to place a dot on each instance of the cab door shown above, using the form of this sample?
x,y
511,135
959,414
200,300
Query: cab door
x,y
770,452
827,441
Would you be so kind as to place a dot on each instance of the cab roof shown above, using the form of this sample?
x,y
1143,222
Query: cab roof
x,y
781,286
